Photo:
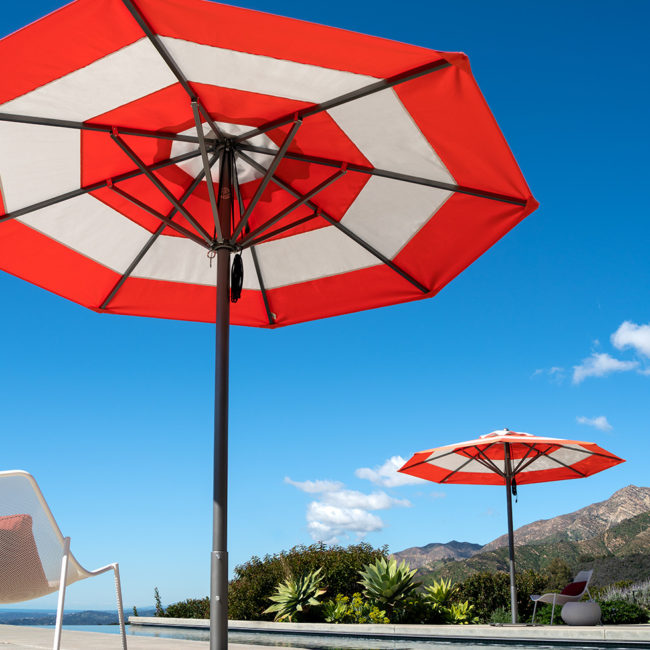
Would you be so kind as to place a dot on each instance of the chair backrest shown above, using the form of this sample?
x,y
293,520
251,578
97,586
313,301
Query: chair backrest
x,y
584,576
31,544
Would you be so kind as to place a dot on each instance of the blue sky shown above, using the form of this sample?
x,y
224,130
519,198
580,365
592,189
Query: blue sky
x,y
113,415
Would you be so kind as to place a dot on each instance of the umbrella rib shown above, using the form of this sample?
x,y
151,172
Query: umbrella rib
x,y
169,60
256,262
559,462
265,181
370,89
591,453
431,460
341,227
521,466
151,241
206,169
455,471
95,186
384,173
488,461
161,217
102,128
278,231
290,208
159,185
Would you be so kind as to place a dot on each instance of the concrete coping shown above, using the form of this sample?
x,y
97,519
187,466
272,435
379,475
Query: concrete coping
x,y
636,635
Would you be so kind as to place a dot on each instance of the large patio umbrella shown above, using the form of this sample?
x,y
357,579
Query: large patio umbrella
x,y
510,458
344,172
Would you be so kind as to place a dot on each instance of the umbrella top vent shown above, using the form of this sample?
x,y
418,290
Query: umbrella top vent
x,y
504,432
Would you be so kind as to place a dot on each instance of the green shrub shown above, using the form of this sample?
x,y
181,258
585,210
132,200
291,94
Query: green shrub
x,y
621,612
544,613
501,615
387,583
416,610
489,591
352,610
190,608
295,596
255,581
460,614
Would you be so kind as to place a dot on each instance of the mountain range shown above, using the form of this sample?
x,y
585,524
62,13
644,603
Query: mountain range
x,y
611,536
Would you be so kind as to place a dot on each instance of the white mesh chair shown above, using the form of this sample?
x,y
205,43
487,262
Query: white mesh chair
x,y
573,591
35,558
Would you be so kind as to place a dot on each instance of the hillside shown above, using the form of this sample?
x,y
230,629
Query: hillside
x,y
584,523
621,552
419,556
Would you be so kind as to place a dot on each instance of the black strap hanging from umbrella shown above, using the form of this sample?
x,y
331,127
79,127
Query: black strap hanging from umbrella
x,y
236,278
513,488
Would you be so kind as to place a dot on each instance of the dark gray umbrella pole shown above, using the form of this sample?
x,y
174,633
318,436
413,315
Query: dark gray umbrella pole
x,y
219,559
511,539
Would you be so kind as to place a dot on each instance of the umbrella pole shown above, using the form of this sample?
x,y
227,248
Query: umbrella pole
x,y
511,539
219,558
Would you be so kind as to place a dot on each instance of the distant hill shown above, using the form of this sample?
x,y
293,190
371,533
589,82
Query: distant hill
x,y
421,556
48,617
584,523
625,548
611,536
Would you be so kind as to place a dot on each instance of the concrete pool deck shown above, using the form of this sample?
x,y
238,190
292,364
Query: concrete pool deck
x,y
598,635
21,637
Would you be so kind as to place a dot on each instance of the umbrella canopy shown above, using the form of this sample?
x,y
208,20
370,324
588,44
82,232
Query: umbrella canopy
x,y
370,172
328,172
510,458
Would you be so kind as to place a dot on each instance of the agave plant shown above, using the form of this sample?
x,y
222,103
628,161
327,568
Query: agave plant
x,y
440,593
387,583
461,613
294,596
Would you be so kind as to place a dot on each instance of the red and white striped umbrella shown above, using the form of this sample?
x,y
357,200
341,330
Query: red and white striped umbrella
x,y
510,458
525,458
344,172
389,173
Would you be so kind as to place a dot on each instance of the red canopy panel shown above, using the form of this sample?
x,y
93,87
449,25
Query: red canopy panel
x,y
429,184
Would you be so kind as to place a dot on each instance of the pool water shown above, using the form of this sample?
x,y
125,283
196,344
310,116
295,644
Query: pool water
x,y
324,642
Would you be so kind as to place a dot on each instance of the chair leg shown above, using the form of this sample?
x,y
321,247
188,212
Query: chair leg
x,y
120,607
553,610
534,612
62,581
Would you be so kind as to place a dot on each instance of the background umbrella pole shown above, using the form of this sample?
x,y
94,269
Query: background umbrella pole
x,y
219,559
511,538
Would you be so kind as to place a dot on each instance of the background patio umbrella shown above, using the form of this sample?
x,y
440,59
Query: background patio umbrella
x,y
344,172
509,458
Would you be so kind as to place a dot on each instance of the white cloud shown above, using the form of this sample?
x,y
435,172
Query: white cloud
x,y
314,487
387,475
631,335
340,511
327,522
600,364
438,495
354,499
556,373
599,422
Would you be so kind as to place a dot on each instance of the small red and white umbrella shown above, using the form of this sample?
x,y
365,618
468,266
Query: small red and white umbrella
x,y
327,171
510,458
